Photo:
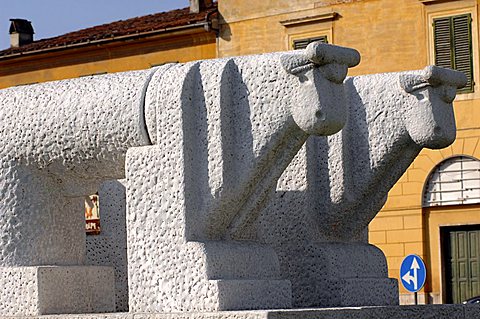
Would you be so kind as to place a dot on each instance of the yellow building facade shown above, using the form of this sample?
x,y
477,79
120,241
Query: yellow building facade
x,y
391,35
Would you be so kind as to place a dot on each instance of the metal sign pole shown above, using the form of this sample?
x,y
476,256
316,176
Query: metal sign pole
x,y
415,297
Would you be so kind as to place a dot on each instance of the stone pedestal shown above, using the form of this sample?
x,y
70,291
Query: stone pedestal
x,y
31,291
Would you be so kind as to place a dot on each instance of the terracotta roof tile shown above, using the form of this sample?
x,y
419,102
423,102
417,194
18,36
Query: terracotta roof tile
x,y
152,22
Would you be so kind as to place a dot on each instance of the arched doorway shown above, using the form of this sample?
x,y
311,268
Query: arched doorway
x,y
451,204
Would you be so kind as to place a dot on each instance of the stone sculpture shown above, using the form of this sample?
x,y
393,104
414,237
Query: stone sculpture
x,y
63,139
317,220
202,146
224,131
337,184
235,133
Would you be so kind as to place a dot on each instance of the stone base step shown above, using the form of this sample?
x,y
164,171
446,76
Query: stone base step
x,y
254,294
237,260
347,292
392,312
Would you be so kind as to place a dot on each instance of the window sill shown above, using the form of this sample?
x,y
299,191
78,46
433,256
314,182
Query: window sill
x,y
434,1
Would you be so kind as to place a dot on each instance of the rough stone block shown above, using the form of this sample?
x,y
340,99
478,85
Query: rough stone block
x,y
29,291
368,292
168,272
472,311
254,294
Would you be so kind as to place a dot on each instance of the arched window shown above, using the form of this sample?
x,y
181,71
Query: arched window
x,y
455,181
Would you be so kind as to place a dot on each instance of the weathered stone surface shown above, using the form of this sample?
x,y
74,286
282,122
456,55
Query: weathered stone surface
x,y
169,273
400,312
472,311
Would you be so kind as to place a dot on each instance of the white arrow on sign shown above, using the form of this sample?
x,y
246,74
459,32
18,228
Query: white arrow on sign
x,y
409,278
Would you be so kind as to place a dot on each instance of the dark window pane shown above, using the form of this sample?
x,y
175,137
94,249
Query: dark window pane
x,y
302,43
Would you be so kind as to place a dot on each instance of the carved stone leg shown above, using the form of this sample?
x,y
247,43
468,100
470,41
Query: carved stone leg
x,y
109,248
42,250
167,272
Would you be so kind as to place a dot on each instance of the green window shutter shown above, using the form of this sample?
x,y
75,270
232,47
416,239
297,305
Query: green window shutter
x,y
443,46
462,44
302,43
453,45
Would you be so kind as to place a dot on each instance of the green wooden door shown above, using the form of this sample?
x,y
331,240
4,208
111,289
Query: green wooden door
x,y
461,246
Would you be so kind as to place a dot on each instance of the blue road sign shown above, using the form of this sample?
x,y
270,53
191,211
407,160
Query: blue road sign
x,y
413,273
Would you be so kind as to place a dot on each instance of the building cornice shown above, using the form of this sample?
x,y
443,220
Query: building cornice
x,y
312,19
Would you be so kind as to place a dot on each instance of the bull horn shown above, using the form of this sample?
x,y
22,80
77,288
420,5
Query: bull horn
x,y
322,53
436,76
296,63
412,82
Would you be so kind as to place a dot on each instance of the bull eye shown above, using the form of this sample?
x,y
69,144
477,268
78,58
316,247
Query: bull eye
x,y
420,95
303,78
320,115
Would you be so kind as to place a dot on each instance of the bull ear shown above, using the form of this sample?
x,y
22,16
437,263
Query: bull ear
x,y
295,63
412,82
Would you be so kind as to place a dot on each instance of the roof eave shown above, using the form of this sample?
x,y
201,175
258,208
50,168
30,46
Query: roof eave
x,y
204,24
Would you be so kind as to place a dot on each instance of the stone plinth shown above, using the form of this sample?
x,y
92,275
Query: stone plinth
x,y
31,291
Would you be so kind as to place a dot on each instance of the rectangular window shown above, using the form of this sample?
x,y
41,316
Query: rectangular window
x,y
302,43
453,45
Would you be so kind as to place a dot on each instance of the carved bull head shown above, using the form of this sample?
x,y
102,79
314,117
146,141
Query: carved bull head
x,y
430,121
319,100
